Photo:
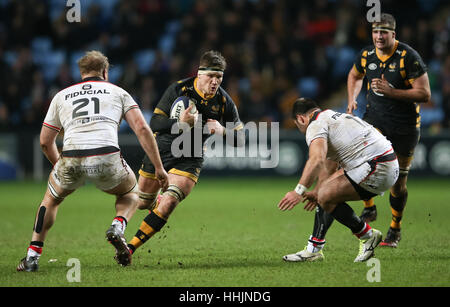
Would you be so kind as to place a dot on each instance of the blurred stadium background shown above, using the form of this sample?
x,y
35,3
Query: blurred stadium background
x,y
276,52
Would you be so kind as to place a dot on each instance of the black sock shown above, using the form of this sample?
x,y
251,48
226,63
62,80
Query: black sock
x,y
151,224
398,203
345,215
37,243
397,206
322,223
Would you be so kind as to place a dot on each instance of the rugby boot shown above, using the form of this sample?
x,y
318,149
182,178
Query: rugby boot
x,y
304,256
369,214
117,239
367,246
393,236
28,265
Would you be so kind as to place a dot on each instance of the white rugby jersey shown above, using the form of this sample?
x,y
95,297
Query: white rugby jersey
x,y
90,113
351,141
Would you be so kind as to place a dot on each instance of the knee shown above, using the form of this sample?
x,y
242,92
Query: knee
x,y
166,206
325,202
129,199
131,196
147,200
170,199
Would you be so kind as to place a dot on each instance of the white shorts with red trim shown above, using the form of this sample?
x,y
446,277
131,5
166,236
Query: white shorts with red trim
x,y
376,177
106,171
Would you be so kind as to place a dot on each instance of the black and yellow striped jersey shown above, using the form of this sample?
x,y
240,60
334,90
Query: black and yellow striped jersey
x,y
400,69
220,107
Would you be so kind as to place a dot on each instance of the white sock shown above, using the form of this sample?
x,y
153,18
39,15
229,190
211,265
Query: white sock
x,y
120,223
314,247
368,232
32,253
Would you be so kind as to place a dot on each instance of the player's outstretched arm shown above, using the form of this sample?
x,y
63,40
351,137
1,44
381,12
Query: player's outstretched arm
x,y
145,136
48,144
315,164
330,167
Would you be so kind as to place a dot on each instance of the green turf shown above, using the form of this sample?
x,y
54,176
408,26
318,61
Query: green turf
x,y
229,233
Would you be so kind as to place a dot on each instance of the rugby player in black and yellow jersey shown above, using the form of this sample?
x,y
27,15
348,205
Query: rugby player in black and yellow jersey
x,y
397,82
218,114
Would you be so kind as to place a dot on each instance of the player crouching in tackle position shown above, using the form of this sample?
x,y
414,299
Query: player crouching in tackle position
x,y
216,109
90,113
368,167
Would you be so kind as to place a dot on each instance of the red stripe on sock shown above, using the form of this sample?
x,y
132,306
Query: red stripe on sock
x,y
317,240
36,249
364,231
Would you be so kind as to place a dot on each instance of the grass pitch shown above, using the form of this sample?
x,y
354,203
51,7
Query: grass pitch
x,y
227,233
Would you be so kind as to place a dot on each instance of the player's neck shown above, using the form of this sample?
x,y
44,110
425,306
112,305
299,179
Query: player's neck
x,y
91,76
200,90
388,51
313,112
385,51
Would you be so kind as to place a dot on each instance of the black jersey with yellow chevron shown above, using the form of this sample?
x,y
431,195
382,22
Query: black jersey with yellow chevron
x,y
219,107
400,69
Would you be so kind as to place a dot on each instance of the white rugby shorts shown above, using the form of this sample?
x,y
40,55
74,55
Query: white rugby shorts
x,y
377,175
105,171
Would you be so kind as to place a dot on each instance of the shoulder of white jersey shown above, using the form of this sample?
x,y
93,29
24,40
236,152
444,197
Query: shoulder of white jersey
x,y
318,126
82,83
96,86
316,114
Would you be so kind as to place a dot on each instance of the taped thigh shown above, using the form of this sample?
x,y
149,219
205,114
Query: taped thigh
x,y
174,191
54,193
148,198
404,164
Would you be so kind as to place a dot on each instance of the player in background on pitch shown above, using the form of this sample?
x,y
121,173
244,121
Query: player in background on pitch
x,y
397,82
368,167
90,113
216,108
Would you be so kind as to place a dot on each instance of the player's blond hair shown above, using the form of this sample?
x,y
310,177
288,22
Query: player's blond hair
x,y
93,62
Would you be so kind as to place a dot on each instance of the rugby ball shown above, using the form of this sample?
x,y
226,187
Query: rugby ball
x,y
180,104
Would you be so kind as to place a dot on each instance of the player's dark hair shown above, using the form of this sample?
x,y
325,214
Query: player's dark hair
x,y
303,105
213,59
385,19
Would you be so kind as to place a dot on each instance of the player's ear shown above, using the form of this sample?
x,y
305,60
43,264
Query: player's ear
x,y
296,123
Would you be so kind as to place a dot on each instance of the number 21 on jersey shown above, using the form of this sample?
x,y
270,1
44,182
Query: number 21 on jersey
x,y
82,106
